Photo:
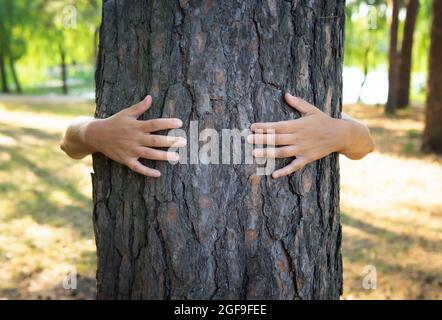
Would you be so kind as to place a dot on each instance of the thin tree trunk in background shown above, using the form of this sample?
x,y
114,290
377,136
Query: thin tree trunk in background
x,y
15,76
64,71
5,87
218,231
366,66
432,138
407,54
393,76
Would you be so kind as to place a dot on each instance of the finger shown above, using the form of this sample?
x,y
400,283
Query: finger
x,y
138,109
161,124
157,141
270,139
274,127
136,166
154,154
295,165
300,105
283,152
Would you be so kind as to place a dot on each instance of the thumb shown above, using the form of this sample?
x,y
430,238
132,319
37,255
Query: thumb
x,y
300,105
138,109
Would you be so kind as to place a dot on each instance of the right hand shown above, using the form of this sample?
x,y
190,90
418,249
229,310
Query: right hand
x,y
125,139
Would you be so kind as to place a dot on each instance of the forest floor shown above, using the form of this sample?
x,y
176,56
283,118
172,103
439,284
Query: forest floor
x,y
391,205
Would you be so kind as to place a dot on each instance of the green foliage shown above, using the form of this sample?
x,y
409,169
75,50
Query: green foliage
x,y
33,33
367,39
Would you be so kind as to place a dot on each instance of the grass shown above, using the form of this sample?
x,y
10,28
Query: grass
x,y
391,205
45,206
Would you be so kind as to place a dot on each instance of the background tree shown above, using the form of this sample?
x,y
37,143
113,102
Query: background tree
x,y
15,20
4,80
432,138
393,76
218,231
405,60
65,26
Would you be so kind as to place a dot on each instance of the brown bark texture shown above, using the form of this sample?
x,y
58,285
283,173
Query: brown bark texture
x,y
218,231
403,95
432,138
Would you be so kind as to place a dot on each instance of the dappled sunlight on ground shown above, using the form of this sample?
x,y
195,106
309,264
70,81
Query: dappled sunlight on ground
x,y
391,208
45,206
391,205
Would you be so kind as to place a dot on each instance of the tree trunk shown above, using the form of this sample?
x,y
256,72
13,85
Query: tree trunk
x,y
406,55
15,76
366,66
64,71
393,76
5,87
218,231
432,139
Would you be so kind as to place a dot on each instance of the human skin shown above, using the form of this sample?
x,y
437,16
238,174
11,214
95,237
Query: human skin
x,y
125,139
309,138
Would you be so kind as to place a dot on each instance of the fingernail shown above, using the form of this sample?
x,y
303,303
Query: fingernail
x,y
179,123
275,175
156,174
250,139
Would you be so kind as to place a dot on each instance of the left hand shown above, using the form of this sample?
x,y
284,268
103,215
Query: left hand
x,y
309,138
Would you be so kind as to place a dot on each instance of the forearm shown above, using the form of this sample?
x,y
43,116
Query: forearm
x,y
358,141
75,143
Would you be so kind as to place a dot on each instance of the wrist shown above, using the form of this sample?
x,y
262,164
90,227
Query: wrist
x,y
343,130
89,134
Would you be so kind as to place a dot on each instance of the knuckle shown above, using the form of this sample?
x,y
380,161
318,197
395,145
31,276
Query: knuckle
x,y
154,140
131,166
281,153
303,163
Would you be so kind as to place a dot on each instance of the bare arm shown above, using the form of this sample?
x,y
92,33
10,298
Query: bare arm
x,y
74,142
311,137
358,142
123,138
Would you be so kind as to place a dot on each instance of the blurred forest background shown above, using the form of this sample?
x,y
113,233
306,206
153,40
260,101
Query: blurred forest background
x,y
391,201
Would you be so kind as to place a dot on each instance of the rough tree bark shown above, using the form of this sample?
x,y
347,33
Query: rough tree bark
x,y
403,96
393,76
218,231
432,139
